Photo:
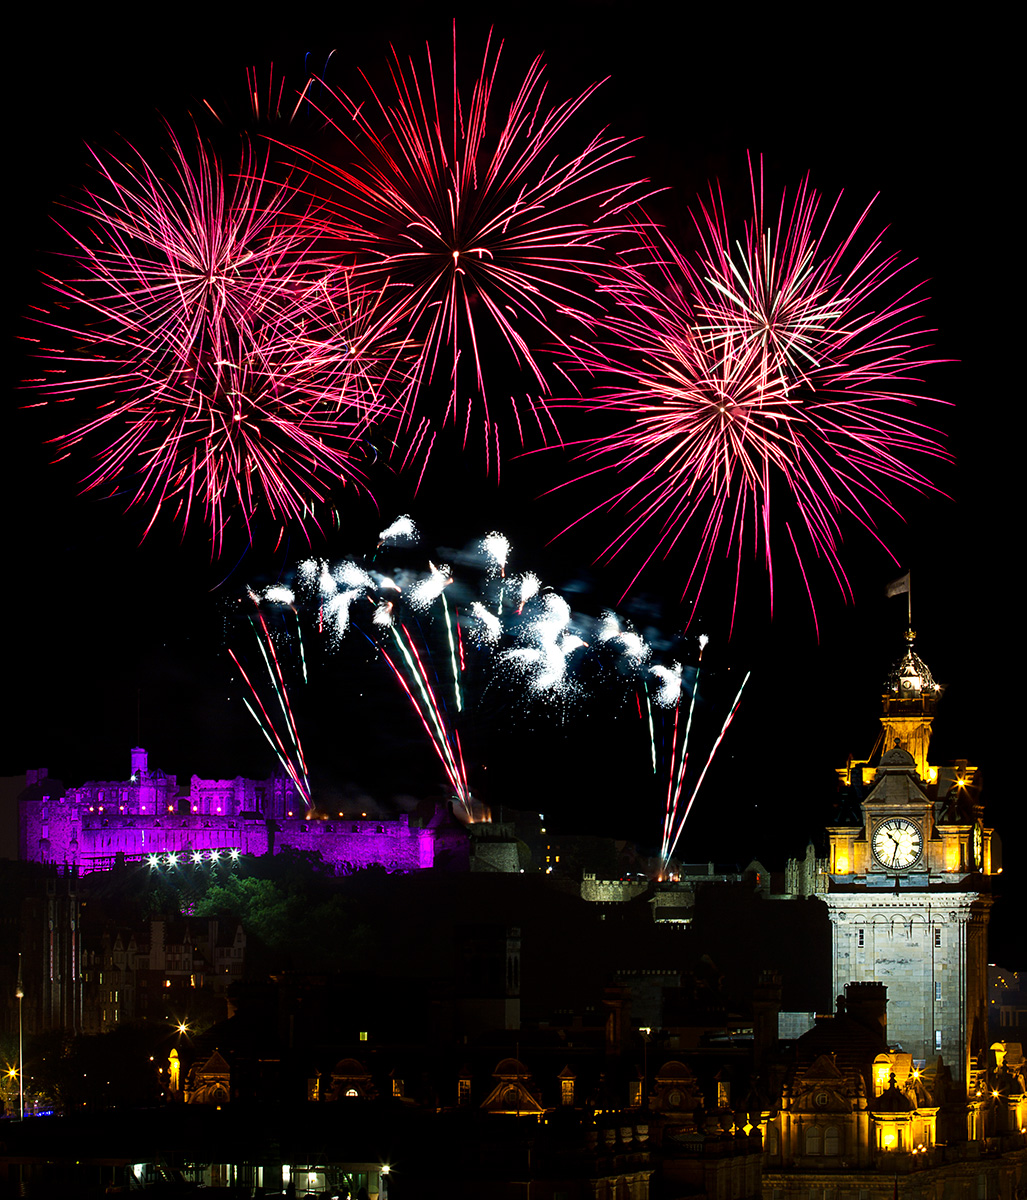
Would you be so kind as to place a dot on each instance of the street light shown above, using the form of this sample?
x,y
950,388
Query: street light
x,y
19,995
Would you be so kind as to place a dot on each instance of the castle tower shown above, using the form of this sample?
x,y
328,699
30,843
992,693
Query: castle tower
x,y
908,898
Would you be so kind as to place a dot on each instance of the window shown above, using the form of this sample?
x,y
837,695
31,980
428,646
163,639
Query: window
x,y
814,1140
937,1039
861,938
937,989
937,937
832,1140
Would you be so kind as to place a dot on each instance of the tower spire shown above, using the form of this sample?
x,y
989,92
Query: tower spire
x,y
908,705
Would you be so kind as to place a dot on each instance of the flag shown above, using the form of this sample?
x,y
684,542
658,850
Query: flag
x,y
898,587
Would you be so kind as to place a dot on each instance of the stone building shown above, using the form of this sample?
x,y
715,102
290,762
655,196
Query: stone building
x,y
900,1083
908,897
92,826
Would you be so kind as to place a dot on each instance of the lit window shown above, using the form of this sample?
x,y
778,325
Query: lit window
x,y
363,1035
937,1039
937,989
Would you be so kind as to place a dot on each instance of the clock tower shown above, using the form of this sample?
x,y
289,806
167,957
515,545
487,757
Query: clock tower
x,y
908,898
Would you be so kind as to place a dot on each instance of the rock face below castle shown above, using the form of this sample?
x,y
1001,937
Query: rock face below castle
x,y
88,827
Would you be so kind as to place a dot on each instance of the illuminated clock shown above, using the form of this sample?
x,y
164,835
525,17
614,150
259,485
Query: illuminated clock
x,y
897,843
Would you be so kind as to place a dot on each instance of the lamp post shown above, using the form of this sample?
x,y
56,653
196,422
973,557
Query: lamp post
x,y
19,995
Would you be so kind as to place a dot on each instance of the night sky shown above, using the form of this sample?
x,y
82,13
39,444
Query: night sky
x,y
109,640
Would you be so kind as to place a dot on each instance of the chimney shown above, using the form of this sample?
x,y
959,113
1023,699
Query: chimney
x,y
766,1007
867,1003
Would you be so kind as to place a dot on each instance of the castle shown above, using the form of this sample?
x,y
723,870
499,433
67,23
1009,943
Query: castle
x,y
148,816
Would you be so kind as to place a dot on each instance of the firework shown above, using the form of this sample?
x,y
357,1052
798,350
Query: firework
x,y
549,642
430,627
401,530
669,696
468,214
276,719
403,646
763,377
236,369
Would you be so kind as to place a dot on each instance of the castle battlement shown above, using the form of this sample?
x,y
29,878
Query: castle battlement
x,y
91,826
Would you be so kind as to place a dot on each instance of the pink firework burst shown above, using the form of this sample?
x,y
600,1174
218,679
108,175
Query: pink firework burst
x,y
467,212
237,370
765,375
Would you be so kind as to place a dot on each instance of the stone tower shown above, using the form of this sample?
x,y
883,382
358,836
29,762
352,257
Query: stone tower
x,y
908,898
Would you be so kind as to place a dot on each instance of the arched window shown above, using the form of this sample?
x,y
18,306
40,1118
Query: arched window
x,y
773,1140
814,1140
832,1141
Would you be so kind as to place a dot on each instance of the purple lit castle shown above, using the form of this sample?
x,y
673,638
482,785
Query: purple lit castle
x,y
148,815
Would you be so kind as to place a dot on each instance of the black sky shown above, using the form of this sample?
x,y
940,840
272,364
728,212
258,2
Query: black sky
x,y
108,639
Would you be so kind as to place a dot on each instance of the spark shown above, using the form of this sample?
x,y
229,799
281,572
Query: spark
x,y
402,529
236,368
491,625
774,373
473,217
427,590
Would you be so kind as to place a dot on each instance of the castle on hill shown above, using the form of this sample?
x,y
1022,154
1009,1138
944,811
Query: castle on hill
x,y
93,826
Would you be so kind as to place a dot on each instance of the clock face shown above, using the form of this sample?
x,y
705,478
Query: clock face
x,y
897,843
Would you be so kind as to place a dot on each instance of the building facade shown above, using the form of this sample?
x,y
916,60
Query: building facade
x,y
908,897
91,826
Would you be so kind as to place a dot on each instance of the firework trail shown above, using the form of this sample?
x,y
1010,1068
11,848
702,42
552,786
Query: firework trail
x,y
416,681
767,374
237,370
670,696
678,826
339,590
287,746
540,653
474,221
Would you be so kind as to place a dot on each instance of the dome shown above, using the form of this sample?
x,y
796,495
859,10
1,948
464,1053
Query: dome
x,y
674,1070
891,1100
911,677
510,1067
349,1068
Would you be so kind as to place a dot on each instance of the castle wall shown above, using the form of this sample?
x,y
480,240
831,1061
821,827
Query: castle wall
x,y
90,825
